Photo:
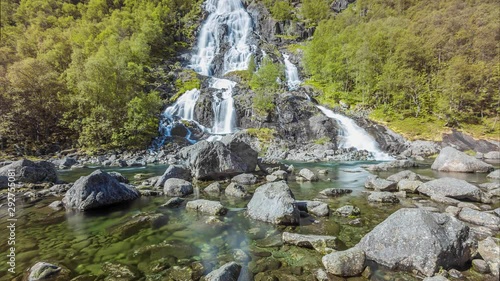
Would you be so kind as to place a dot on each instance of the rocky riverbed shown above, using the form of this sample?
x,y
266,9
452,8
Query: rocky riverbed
x,y
400,220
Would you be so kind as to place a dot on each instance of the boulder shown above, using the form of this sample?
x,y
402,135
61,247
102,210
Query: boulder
x,y
415,239
214,188
374,182
405,175
65,163
317,242
308,175
280,174
452,160
119,177
480,266
246,179
177,187
46,271
174,202
452,188
214,160
346,263
490,252
382,197
409,185
492,155
213,208
316,208
228,272
494,175
274,203
480,218
97,190
174,171
397,164
56,205
333,192
28,171
271,178
236,191
436,278
139,222
348,210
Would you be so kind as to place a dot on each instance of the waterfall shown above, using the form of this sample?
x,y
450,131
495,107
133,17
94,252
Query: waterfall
x,y
355,136
228,26
224,111
292,74
184,106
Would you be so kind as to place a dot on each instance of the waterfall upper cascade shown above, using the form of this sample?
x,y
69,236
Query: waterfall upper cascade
x,y
352,135
225,33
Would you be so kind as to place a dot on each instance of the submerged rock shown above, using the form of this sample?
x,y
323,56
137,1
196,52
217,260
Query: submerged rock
x,y
317,242
228,272
97,190
414,239
346,263
452,160
452,188
274,202
208,207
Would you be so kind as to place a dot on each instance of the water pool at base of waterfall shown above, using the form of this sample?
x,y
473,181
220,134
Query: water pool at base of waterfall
x,y
189,244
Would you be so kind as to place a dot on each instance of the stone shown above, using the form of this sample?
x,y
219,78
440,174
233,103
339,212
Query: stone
x,y
404,175
215,160
317,242
492,155
397,164
43,271
348,210
65,163
415,239
174,171
382,197
214,188
56,205
346,263
452,160
138,222
227,272
97,190
480,218
410,186
308,175
271,178
316,208
436,278
280,174
452,210
489,250
208,207
452,188
274,203
333,192
445,200
174,202
119,177
236,191
480,266
245,179
27,171
494,175
377,183
177,187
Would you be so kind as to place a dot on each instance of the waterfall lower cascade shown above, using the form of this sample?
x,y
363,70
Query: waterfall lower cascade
x,y
352,134
225,35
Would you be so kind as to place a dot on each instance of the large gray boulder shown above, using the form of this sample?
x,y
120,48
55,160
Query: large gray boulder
x,y
452,160
96,190
452,188
31,172
174,171
208,207
214,160
480,218
318,242
274,203
489,250
228,272
396,164
177,187
346,263
374,182
415,239
246,179
494,175
235,190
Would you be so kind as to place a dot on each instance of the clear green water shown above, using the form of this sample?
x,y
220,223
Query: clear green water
x,y
83,242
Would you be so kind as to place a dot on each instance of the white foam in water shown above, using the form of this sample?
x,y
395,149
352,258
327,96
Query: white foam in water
x,y
224,111
292,74
224,14
355,136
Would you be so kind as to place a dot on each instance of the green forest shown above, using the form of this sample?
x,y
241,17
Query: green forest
x,y
86,73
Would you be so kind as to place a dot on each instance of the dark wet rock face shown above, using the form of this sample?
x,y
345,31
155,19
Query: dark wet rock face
x,y
465,142
97,190
414,239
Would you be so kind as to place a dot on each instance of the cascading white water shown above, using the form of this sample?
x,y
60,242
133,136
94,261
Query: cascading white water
x,y
292,74
224,111
355,136
184,106
231,18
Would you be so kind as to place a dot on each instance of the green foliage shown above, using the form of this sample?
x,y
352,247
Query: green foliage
x,y
314,11
322,140
418,63
263,102
265,84
79,72
187,80
264,135
282,10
